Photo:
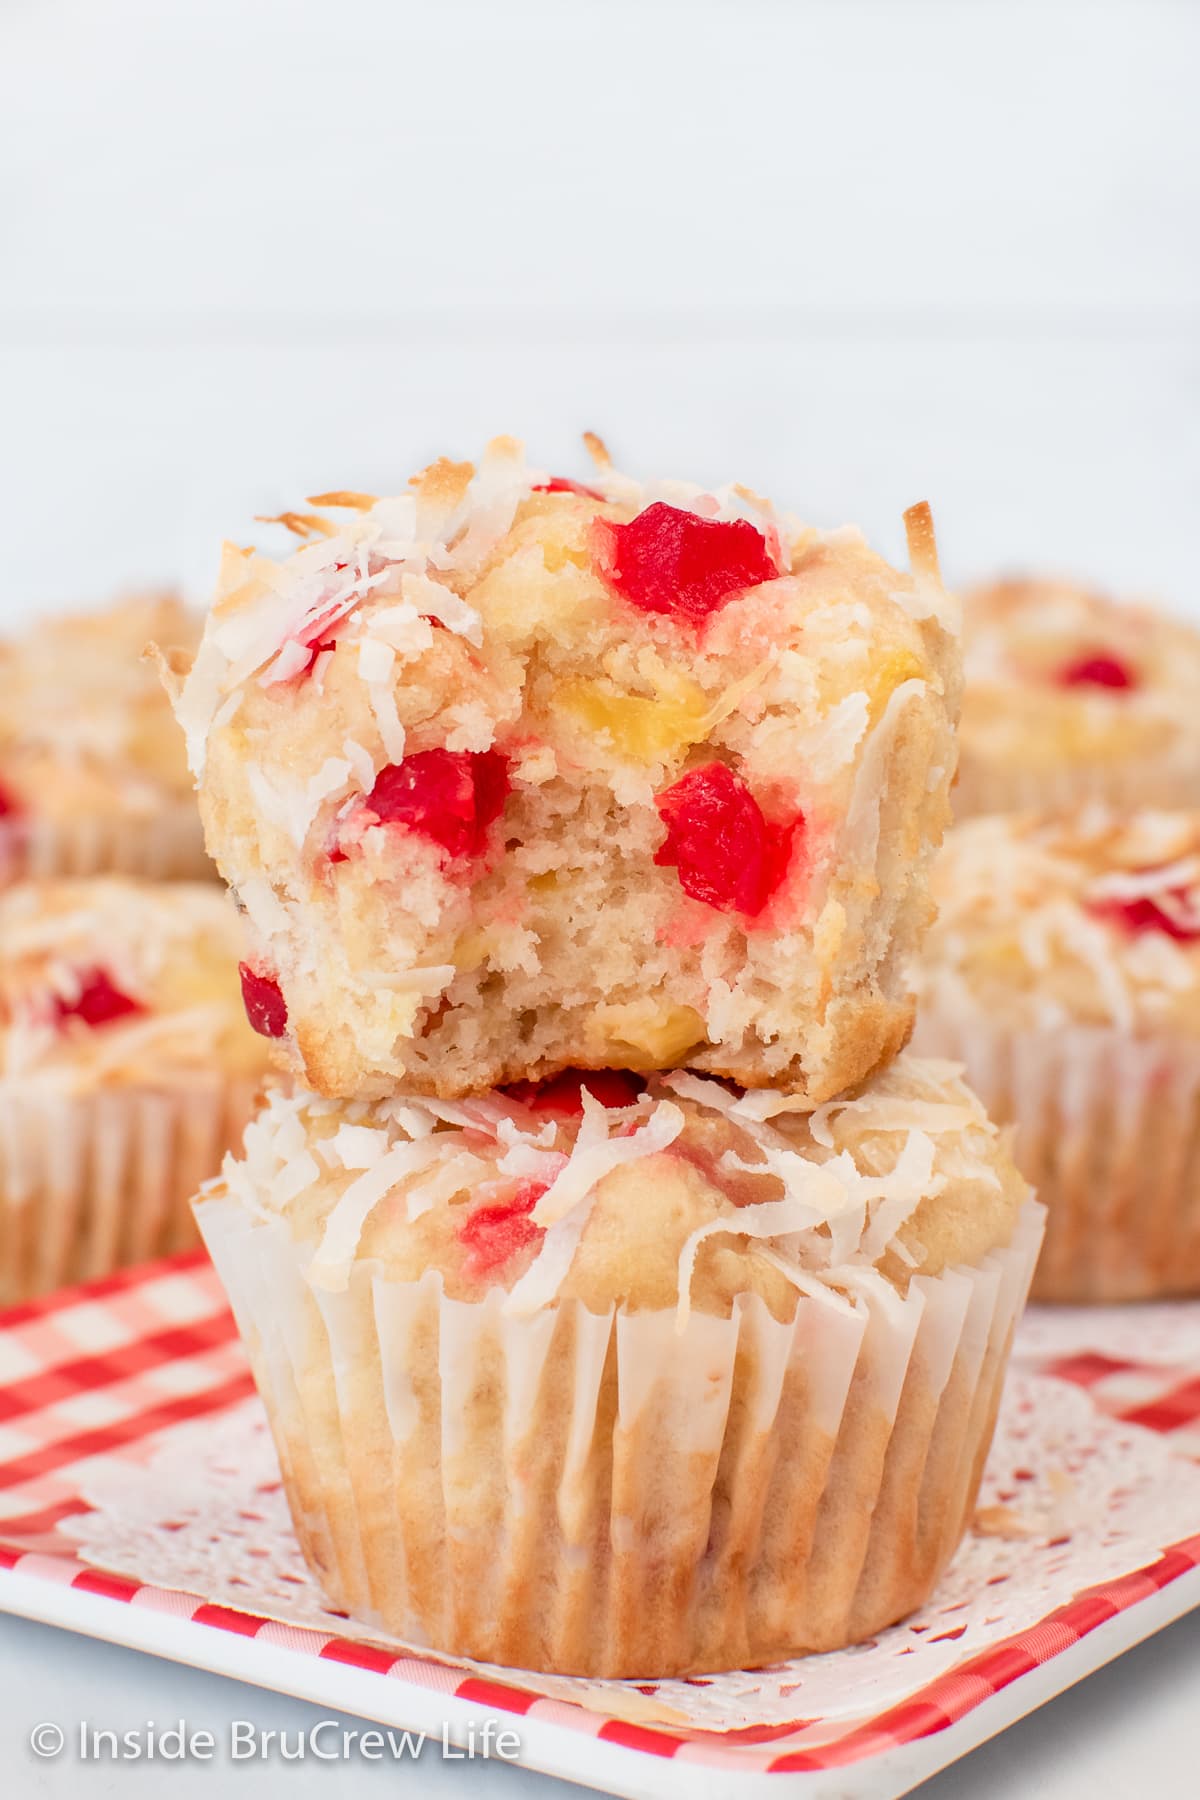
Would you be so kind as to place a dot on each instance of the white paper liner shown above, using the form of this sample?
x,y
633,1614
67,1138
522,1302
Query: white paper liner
x,y
1107,1130
167,846
92,1182
598,1495
993,787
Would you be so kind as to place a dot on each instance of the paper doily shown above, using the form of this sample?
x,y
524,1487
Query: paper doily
x,y
1070,1499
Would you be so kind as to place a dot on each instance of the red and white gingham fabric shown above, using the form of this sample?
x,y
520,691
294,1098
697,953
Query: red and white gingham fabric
x,y
103,1370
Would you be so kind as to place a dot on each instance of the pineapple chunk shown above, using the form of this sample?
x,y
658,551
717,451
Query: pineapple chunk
x,y
642,729
645,1034
543,587
898,666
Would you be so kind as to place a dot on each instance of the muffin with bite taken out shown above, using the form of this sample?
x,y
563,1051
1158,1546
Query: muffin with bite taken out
x,y
512,774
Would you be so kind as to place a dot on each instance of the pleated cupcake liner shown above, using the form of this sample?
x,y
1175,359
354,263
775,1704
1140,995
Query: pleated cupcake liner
x,y
1107,1130
986,787
167,846
602,1495
93,1182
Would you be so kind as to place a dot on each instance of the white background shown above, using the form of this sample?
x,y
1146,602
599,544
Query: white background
x,y
853,254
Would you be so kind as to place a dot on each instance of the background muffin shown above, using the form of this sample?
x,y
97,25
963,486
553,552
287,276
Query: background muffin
x,y
511,774
126,1069
671,1380
1064,971
93,775
1072,697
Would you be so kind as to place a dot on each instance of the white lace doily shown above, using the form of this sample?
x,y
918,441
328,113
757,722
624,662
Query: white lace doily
x,y
1070,1499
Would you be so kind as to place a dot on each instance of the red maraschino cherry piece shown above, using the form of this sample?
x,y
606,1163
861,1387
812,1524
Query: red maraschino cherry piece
x,y
8,804
560,484
562,1096
1101,670
265,1005
318,635
448,796
668,560
315,650
99,1000
725,851
493,1234
1146,914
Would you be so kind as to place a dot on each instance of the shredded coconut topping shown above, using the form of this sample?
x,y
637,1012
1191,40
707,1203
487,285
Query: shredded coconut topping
x,y
1095,913
1023,639
269,617
835,1210
168,950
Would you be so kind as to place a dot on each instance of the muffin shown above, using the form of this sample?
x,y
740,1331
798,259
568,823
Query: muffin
x,y
1070,698
614,1379
1064,971
512,775
93,775
126,1070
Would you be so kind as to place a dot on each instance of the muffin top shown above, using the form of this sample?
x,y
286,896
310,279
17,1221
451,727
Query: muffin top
x,y
1093,918
1058,674
676,1193
108,980
434,737
84,723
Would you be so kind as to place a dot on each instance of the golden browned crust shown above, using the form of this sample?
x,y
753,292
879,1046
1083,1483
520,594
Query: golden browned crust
x,y
443,481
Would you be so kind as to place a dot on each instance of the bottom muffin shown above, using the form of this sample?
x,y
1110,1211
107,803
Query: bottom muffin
x,y
614,1380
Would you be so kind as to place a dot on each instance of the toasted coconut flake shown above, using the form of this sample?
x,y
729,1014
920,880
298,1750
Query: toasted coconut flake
x,y
443,483
344,497
172,666
922,541
597,449
505,449
302,525
928,598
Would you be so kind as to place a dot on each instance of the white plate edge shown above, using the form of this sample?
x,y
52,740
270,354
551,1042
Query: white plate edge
x,y
552,1749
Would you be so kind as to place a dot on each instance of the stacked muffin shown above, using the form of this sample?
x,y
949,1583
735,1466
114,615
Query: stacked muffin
x,y
1064,968
623,1301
